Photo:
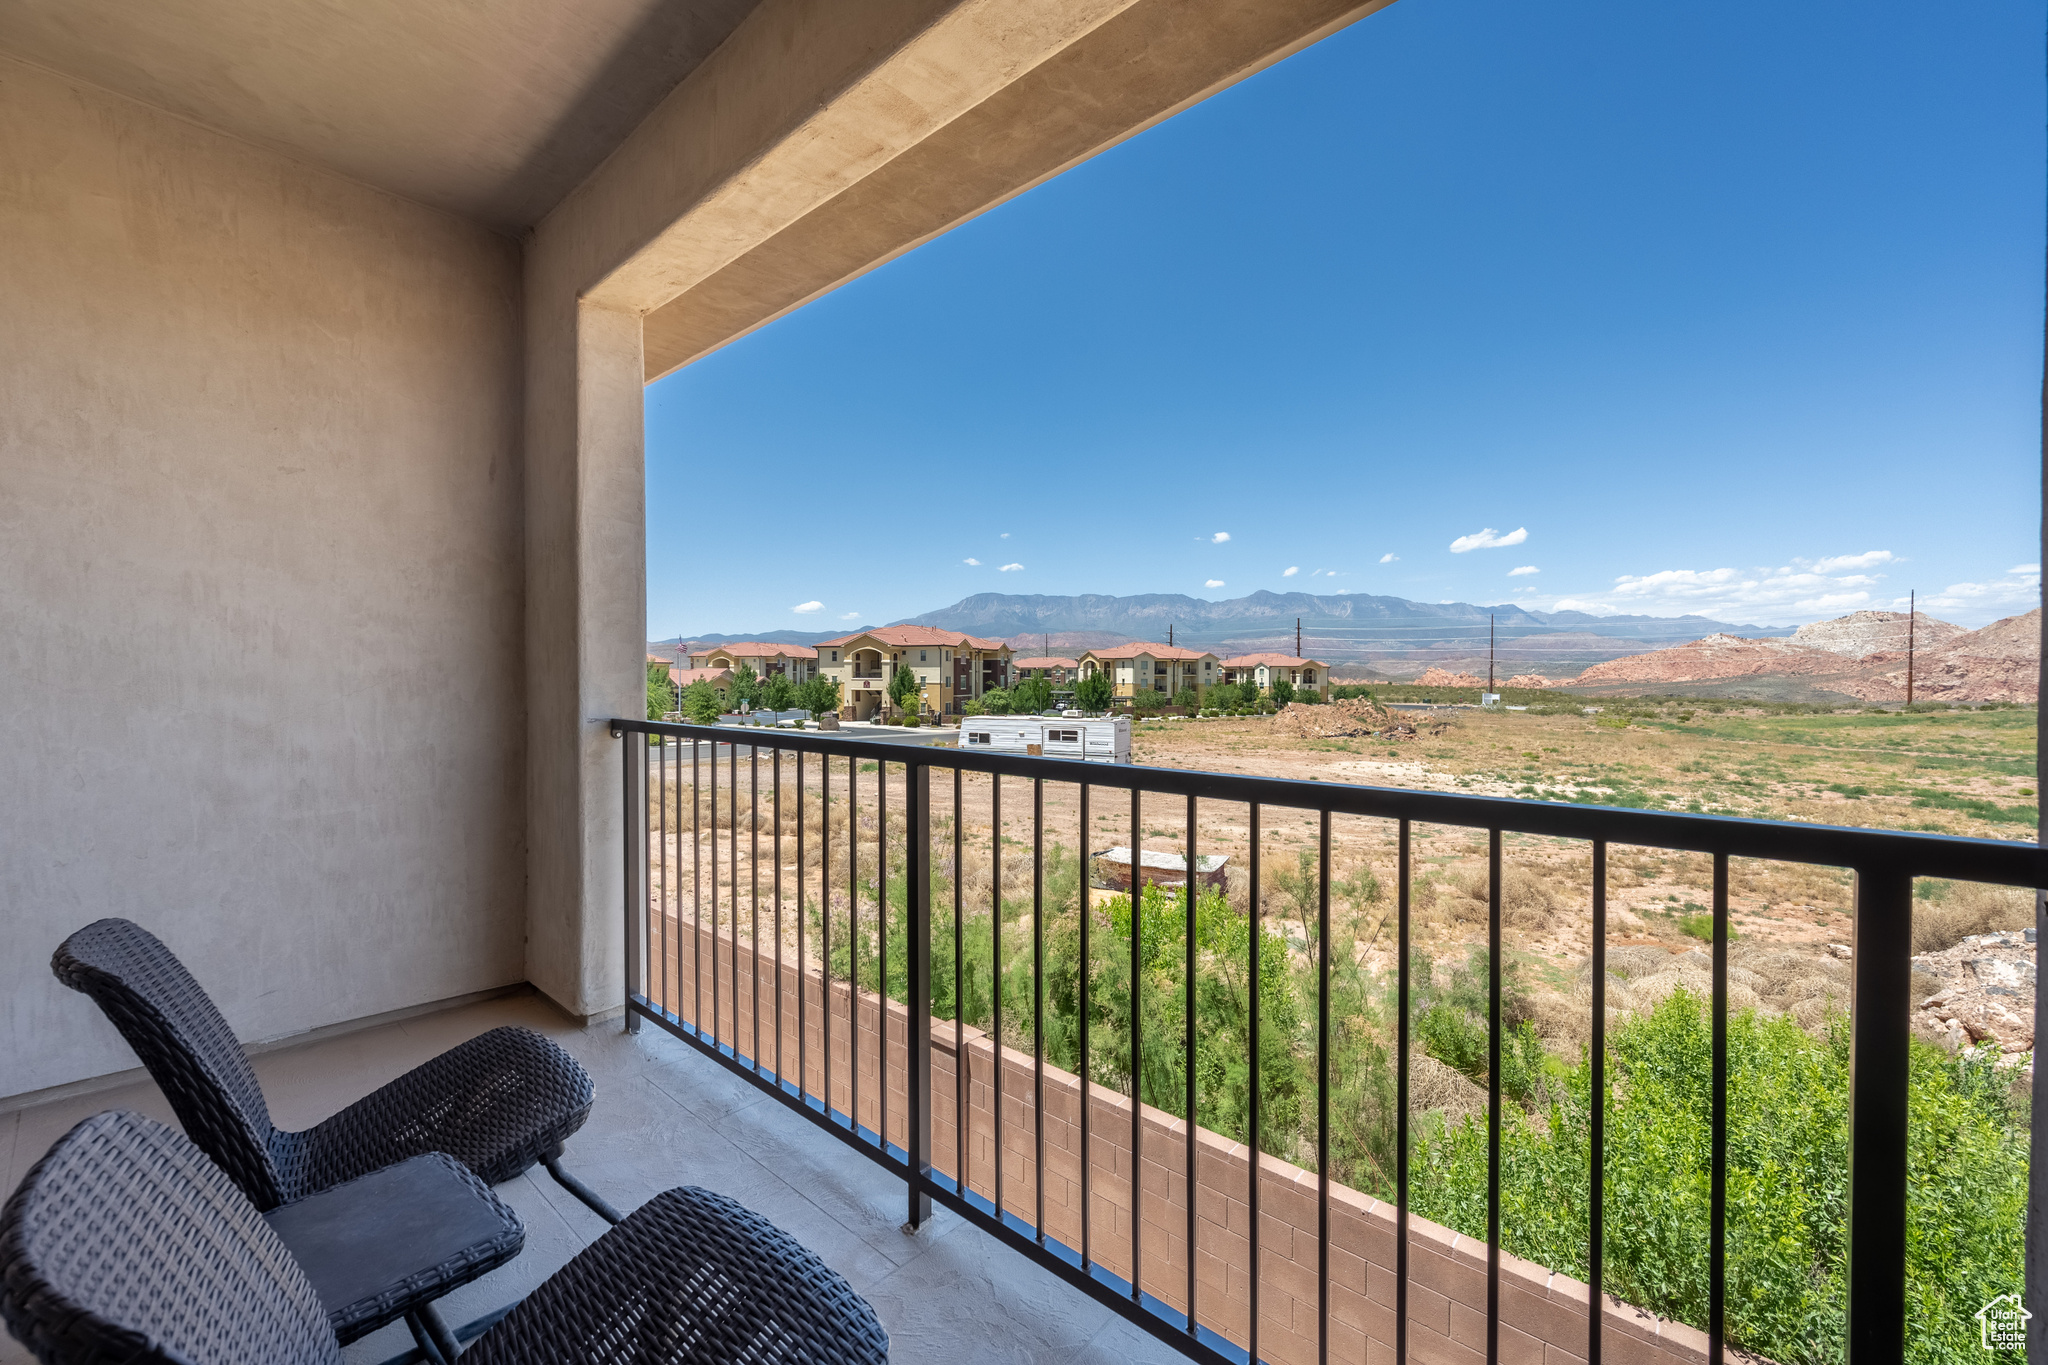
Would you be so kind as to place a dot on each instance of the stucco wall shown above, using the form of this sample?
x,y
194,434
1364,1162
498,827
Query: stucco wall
x,y
261,685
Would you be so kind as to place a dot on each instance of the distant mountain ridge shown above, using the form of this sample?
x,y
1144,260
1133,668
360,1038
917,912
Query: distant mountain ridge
x,y
1392,634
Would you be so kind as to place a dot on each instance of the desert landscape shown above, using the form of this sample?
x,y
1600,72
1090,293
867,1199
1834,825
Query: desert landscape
x,y
1862,656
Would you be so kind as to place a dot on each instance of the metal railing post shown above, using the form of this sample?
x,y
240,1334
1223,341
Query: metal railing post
x,y
633,826
1879,1053
917,1081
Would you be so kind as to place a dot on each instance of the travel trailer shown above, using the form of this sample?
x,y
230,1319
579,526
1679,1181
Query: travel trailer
x,y
1097,740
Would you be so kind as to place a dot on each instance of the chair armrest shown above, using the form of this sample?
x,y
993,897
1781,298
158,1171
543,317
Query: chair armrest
x,y
689,1275
497,1103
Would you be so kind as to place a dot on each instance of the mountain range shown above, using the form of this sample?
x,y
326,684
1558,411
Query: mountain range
x,y
1356,631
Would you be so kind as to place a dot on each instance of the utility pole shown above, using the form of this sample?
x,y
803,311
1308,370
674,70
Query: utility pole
x,y
1297,637
1489,653
1911,620
1169,635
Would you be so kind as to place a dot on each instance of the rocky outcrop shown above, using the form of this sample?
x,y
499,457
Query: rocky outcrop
x,y
1438,677
1862,633
1986,995
2001,662
1717,656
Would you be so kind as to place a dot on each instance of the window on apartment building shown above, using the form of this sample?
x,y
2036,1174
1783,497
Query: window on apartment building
x,y
920,657
835,656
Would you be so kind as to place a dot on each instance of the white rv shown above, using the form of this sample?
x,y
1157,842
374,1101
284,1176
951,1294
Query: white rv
x,y
1104,739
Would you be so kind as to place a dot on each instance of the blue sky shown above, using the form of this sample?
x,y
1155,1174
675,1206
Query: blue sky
x,y
1730,309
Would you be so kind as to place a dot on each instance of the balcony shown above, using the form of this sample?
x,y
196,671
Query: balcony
x,y
344,394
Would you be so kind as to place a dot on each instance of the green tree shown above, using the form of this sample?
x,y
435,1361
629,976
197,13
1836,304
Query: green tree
x,y
701,704
904,689
996,702
1188,699
1248,694
661,694
778,693
746,687
1094,692
1032,694
1283,691
819,695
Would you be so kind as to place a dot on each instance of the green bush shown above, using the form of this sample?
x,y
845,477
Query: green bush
x,y
1032,695
1094,692
1787,1097
661,693
701,703
1787,1181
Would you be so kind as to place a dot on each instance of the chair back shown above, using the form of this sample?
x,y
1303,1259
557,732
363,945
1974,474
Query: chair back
x,y
181,1037
124,1243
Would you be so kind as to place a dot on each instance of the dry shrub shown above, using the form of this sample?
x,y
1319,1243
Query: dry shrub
x,y
1651,991
1637,960
1559,1020
1527,901
1432,1086
1777,883
1968,908
1812,988
1812,1015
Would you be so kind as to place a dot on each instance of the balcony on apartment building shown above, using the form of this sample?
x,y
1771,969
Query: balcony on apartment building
x,y
331,327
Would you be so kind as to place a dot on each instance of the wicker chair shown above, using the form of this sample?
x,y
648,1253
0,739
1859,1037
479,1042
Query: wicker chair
x,y
125,1244
498,1103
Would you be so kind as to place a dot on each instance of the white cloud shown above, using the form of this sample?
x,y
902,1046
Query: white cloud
x,y
1489,539
849,616
1792,593
1009,568
972,563
1219,537
1004,536
2019,590
1869,559
1524,570
1291,570
1213,583
1389,557
806,608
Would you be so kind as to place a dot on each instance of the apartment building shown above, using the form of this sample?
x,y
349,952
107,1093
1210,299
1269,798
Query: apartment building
x,y
1150,667
799,663
1307,675
952,669
1060,672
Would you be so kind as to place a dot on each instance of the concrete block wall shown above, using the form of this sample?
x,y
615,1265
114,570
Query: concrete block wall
x,y
1543,1314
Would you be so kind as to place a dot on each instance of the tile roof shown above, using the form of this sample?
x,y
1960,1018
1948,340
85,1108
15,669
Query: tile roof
x,y
1271,661
759,649
1156,650
902,636
683,677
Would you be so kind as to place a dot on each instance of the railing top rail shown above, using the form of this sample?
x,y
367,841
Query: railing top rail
x,y
2008,862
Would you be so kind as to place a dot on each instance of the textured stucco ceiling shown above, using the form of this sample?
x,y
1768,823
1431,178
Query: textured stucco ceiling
x,y
493,110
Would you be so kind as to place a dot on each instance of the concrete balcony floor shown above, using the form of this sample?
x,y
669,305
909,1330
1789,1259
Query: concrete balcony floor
x,y
666,1116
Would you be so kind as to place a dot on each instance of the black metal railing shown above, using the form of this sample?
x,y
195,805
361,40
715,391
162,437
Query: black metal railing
x,y
677,929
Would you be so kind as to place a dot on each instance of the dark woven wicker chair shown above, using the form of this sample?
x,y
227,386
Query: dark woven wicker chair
x,y
498,1103
125,1244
